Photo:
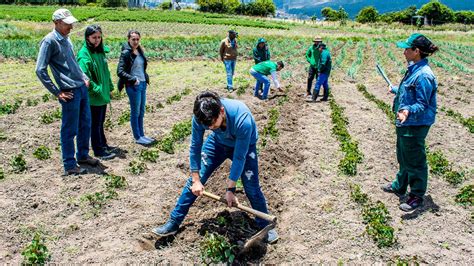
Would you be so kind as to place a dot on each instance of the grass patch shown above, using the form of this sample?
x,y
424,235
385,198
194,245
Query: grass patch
x,y
467,122
270,130
440,166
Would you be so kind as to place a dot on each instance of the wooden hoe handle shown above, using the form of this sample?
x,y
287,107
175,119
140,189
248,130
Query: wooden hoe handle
x,y
259,214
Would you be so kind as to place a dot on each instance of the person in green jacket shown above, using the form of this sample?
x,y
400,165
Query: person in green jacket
x,y
312,56
93,62
261,53
324,69
260,72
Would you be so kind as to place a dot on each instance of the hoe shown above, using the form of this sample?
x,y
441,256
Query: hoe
x,y
147,242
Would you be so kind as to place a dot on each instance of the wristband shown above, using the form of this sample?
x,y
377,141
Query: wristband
x,y
231,189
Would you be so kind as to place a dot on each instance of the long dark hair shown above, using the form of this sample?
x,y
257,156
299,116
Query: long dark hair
x,y
425,45
207,107
89,31
129,34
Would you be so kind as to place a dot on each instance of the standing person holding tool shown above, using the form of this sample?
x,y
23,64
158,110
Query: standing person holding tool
x,y
261,53
260,72
56,51
324,69
93,62
131,70
228,55
312,57
415,109
234,136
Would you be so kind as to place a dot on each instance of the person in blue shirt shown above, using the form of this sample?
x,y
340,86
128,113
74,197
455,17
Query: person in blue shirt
x,y
234,136
415,108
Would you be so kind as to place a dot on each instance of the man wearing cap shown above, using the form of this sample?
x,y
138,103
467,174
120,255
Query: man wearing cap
x,y
312,56
228,55
56,51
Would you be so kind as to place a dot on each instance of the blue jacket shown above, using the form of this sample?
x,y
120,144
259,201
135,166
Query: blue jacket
x,y
240,133
417,94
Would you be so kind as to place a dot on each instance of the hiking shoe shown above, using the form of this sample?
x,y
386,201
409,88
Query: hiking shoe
x,y
389,189
324,100
412,203
107,156
151,140
169,228
89,160
110,149
272,236
142,141
75,171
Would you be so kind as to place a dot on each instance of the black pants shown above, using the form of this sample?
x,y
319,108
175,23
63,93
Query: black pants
x,y
98,140
312,73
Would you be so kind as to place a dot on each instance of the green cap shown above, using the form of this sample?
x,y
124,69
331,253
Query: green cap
x,y
409,42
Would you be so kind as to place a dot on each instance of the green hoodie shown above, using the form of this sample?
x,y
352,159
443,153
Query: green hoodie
x,y
325,62
95,67
313,56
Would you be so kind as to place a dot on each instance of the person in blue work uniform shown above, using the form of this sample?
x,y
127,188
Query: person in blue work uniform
x,y
234,136
415,108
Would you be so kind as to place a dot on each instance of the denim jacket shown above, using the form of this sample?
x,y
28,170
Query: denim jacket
x,y
417,94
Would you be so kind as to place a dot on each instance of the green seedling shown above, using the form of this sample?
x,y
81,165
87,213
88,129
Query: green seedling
x,y
3,136
357,195
114,181
2,174
36,253
8,108
149,155
18,163
136,167
32,102
216,249
178,133
50,117
465,196
95,200
42,153
124,117
46,97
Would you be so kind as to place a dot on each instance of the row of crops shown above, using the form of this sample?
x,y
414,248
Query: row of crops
x,y
43,13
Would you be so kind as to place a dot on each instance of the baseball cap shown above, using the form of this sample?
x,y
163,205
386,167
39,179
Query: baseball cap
x,y
64,15
410,42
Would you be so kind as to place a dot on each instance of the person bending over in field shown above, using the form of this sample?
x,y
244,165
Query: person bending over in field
x,y
415,109
260,72
234,136
56,50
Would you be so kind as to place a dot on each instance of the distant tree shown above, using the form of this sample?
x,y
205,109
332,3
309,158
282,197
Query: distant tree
x,y
367,15
403,16
314,18
464,16
113,3
437,12
342,15
218,6
329,13
166,5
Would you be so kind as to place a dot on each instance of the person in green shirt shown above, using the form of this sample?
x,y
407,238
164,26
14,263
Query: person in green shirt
x,y
260,72
93,62
312,56
324,69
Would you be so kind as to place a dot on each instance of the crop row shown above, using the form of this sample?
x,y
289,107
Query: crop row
x,y
352,71
376,217
438,163
467,122
43,13
350,147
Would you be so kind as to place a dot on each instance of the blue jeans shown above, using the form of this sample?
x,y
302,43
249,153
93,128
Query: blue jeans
x,y
261,79
230,69
321,81
75,121
137,99
213,155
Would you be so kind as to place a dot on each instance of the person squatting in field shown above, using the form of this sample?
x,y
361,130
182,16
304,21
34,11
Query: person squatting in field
x,y
234,136
93,62
56,51
260,72
132,74
415,108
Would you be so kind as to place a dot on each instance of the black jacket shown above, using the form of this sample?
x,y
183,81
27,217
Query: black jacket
x,y
124,67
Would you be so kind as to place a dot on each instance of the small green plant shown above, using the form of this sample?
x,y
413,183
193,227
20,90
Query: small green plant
x,y
42,153
46,97
124,117
32,102
96,200
357,195
467,122
3,136
174,98
114,181
438,163
159,105
179,132
465,196
136,167
18,163
2,174
149,155
50,117
216,249
270,129
36,253
8,108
